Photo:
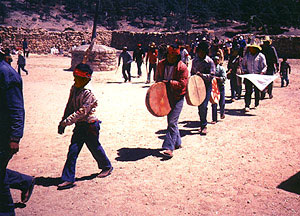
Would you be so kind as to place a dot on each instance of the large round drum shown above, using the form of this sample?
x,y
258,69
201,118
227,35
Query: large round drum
x,y
215,93
157,101
196,91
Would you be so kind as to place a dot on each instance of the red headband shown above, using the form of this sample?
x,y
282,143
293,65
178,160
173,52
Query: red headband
x,y
173,51
81,73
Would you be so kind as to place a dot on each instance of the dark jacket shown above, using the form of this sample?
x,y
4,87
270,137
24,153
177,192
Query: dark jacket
x,y
138,55
21,60
179,81
11,105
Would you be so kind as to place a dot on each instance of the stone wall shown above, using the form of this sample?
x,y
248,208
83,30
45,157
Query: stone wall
x,y
102,58
41,41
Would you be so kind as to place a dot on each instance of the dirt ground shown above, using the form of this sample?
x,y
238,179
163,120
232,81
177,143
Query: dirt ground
x,y
248,164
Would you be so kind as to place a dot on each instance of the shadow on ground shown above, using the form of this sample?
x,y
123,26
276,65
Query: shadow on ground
x,y
292,184
135,154
50,181
237,112
181,131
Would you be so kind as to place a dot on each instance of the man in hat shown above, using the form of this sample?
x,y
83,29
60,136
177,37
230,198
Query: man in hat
x,y
127,59
138,57
80,110
254,62
152,57
174,73
204,66
272,63
234,68
12,116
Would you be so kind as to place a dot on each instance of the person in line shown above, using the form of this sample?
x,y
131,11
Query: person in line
x,y
221,77
204,66
21,63
174,73
272,64
12,118
234,68
80,110
152,58
138,57
285,69
126,67
254,62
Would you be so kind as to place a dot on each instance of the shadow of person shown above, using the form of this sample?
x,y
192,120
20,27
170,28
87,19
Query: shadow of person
x,y
190,124
135,154
50,181
237,112
182,132
292,184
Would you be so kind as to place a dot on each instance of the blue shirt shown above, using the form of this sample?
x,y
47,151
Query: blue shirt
x,y
12,111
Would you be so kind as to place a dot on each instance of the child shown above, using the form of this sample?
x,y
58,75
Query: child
x,y
21,63
221,77
285,68
80,110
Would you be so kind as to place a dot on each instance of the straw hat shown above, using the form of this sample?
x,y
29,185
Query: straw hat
x,y
267,39
254,43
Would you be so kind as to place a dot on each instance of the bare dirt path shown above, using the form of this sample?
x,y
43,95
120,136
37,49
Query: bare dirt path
x,y
235,170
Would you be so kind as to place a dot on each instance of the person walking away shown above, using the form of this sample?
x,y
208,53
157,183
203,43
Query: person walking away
x,y
254,62
221,77
138,57
285,69
21,63
126,67
203,66
272,63
174,73
80,110
234,68
152,58
12,118
25,47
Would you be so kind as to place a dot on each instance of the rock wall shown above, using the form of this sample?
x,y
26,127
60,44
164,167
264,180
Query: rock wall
x,y
102,58
41,41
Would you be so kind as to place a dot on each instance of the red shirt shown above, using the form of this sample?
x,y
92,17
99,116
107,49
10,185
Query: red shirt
x,y
152,56
178,83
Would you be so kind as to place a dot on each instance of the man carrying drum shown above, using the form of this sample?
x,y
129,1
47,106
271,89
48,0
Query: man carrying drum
x,y
174,73
203,66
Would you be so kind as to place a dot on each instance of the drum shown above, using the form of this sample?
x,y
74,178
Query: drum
x,y
196,91
157,101
215,93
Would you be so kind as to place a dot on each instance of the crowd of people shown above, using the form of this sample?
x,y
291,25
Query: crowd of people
x,y
169,64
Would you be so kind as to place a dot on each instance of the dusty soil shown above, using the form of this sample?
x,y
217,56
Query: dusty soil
x,y
246,165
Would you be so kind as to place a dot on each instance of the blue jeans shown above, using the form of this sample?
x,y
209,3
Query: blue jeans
x,y
88,134
126,68
234,87
151,66
6,201
139,65
173,139
286,79
202,109
249,88
221,104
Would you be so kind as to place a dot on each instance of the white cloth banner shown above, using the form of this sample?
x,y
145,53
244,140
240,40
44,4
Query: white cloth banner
x,y
260,81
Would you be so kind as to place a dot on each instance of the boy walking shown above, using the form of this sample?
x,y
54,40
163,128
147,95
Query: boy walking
x,y
285,69
80,110
21,63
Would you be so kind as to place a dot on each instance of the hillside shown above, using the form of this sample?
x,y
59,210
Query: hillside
x,y
222,16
